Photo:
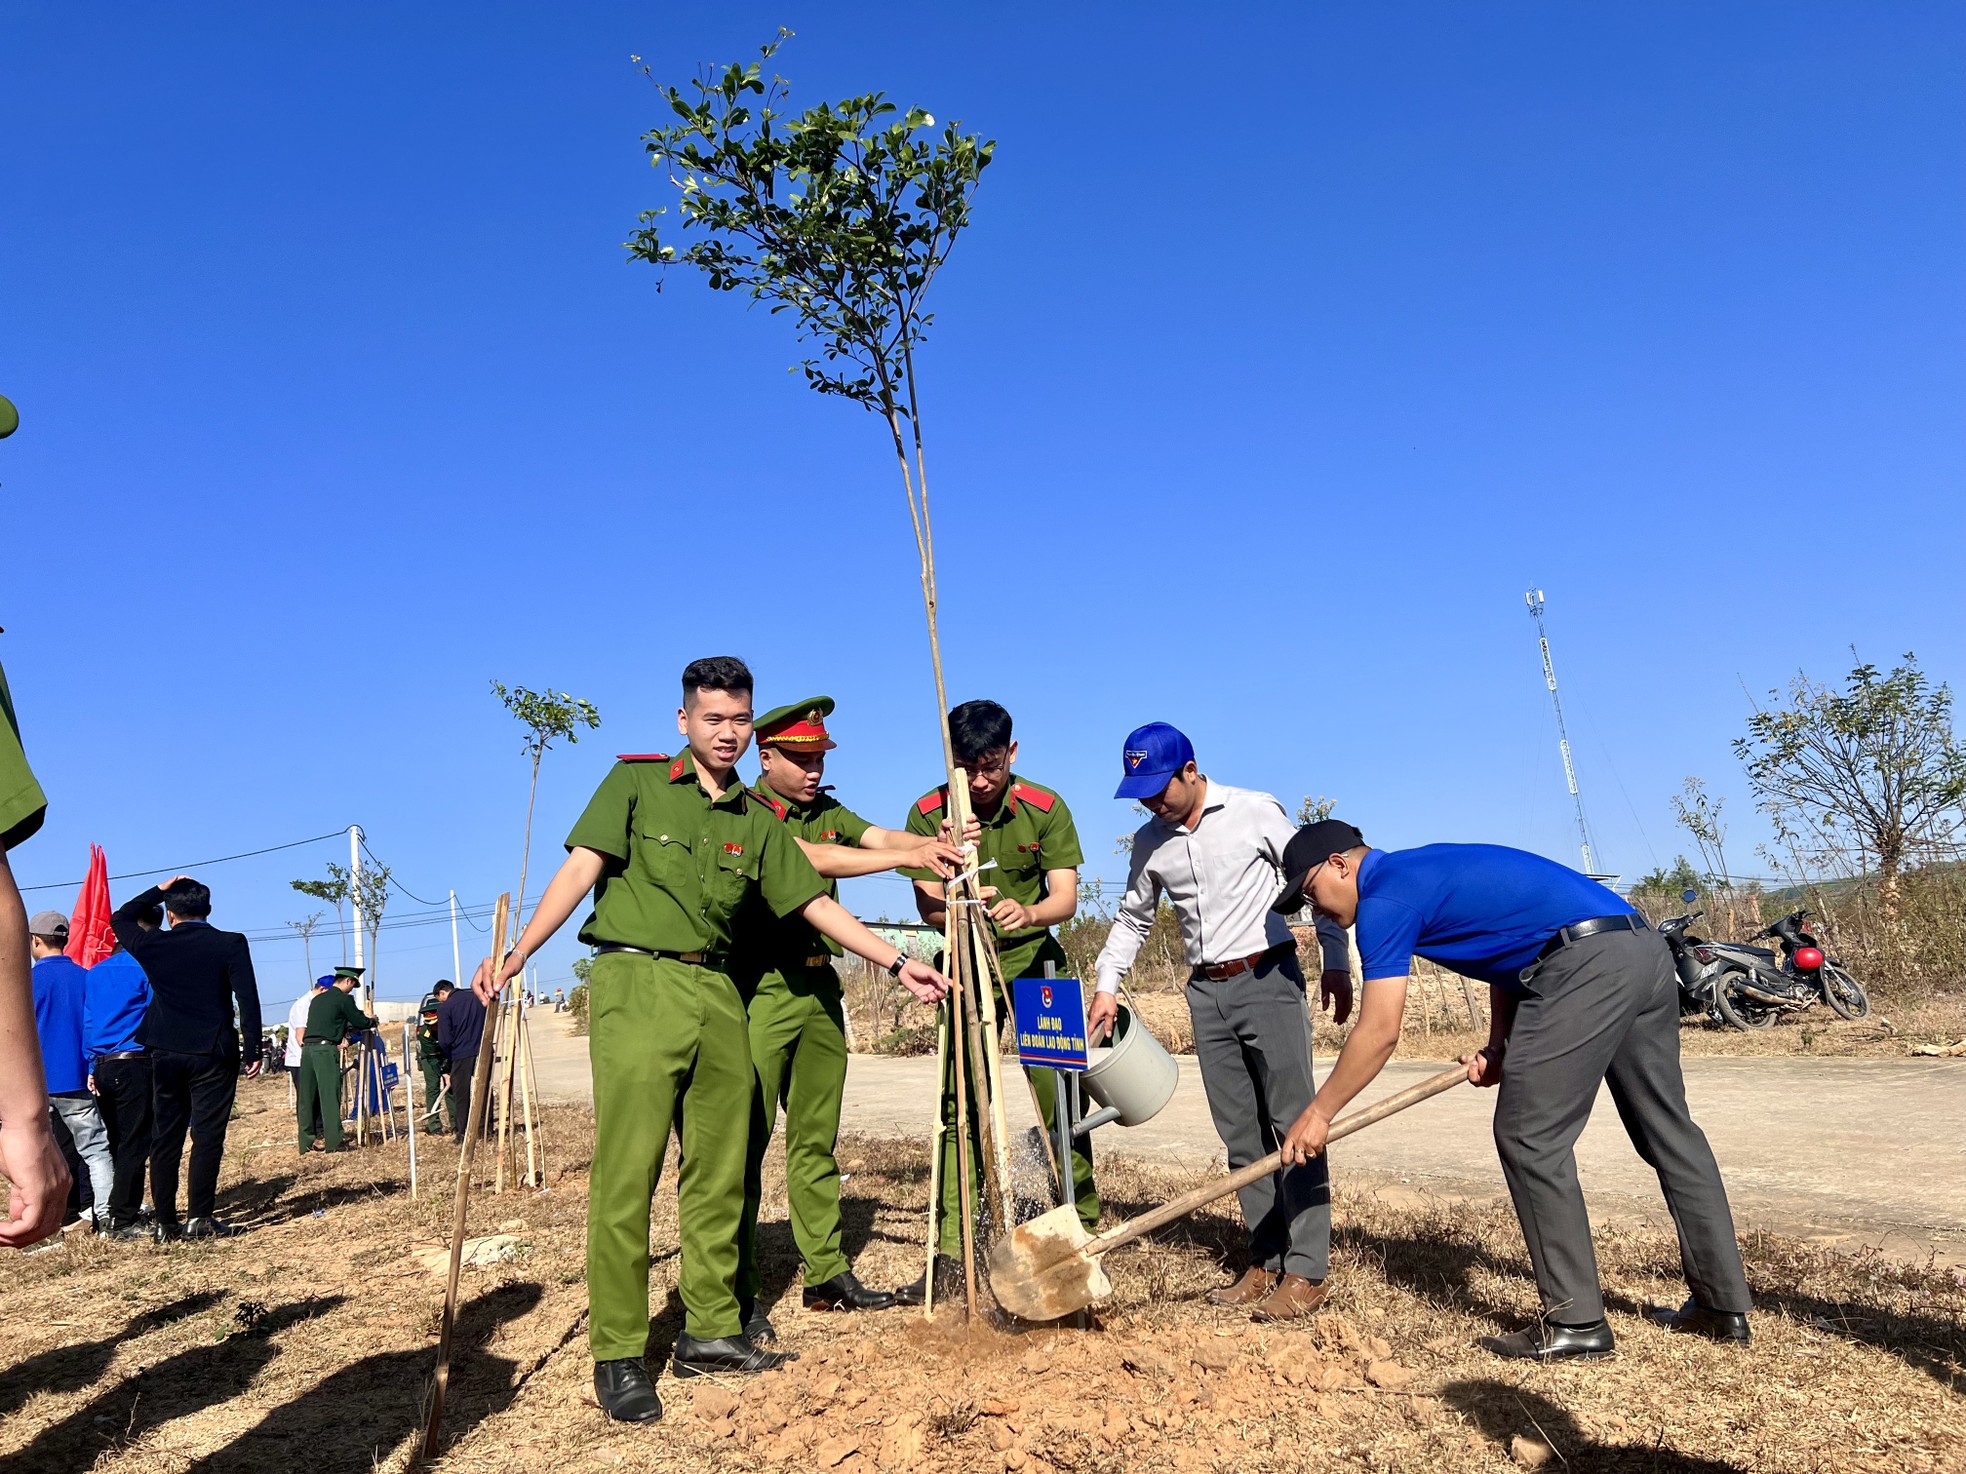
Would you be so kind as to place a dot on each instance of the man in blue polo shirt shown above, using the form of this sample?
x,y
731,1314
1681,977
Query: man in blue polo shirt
x,y
1581,992
117,997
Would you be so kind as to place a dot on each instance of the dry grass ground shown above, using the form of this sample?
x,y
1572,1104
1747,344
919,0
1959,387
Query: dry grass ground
x,y
306,1344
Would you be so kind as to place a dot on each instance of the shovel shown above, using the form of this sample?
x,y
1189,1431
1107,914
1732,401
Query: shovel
x,y
1049,1267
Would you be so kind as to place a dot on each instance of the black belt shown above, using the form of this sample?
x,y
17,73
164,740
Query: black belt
x,y
1217,972
704,958
120,1054
1578,930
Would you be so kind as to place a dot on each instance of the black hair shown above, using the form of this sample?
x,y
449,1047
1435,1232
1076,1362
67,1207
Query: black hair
x,y
191,899
442,984
716,673
151,916
977,728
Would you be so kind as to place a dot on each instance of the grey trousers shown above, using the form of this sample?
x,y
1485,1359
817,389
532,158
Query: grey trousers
x,y
1253,1040
79,1112
1607,1009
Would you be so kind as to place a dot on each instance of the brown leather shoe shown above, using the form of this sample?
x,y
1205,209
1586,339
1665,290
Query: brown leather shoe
x,y
1255,1283
1293,1298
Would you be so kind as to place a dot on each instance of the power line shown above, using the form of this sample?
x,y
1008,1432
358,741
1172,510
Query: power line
x,y
364,842
55,885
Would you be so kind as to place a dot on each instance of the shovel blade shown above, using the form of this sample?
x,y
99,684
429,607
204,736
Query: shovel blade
x,y
1040,1270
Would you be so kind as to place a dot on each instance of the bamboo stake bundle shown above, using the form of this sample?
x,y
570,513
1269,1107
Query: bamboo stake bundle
x,y
480,1087
982,948
507,1014
963,1166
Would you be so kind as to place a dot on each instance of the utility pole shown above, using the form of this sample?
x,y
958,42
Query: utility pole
x,y
457,967
1534,599
355,895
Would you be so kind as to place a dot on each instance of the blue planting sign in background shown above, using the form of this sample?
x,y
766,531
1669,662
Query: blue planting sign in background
x,y
1051,1023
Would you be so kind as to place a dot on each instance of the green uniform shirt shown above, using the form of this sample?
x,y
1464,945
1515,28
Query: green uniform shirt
x,y
22,804
333,1017
789,942
679,866
1031,832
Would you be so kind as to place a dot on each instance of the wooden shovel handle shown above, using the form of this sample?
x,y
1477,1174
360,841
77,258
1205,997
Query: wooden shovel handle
x,y
1201,1197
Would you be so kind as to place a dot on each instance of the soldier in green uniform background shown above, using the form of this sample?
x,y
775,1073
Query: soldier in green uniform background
x,y
331,1018
796,1011
430,1059
674,850
1028,831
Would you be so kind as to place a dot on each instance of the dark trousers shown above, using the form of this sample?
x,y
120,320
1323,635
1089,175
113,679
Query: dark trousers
x,y
462,1069
189,1091
1606,1010
1253,1042
123,1089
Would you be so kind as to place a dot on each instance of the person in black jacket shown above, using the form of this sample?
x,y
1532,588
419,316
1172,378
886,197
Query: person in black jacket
x,y
460,1029
196,974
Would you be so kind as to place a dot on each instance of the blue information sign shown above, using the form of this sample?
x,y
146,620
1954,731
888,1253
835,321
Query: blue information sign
x,y
1051,1023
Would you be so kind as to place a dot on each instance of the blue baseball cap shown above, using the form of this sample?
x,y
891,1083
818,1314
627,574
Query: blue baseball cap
x,y
1152,756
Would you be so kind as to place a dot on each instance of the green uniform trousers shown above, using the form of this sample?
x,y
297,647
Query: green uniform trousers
x,y
318,1095
435,1098
668,1049
798,1056
1025,961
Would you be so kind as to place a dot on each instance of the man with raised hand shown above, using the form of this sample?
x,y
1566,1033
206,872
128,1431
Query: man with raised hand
x,y
1029,847
1216,854
37,1177
1581,993
797,1014
673,850
198,975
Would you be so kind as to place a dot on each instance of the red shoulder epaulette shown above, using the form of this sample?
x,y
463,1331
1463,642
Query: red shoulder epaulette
x,y
641,757
675,770
930,802
776,805
1036,798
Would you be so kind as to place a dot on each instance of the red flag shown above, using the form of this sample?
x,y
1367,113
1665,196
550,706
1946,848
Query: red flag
x,y
89,936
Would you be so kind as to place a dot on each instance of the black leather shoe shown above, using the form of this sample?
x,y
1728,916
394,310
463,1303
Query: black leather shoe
x,y
624,1391
758,1327
132,1233
209,1228
694,1358
845,1292
1548,1341
948,1283
1728,1326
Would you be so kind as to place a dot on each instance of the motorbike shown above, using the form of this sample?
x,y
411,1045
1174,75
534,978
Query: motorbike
x,y
1805,962
1731,983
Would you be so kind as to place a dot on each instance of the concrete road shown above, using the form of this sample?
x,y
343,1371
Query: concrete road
x,y
1850,1151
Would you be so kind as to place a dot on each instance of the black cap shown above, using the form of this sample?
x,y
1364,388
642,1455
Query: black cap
x,y
1309,848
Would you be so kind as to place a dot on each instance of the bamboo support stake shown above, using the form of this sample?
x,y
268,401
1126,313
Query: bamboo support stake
x,y
503,1089
983,946
965,1203
409,1106
938,1133
538,1110
523,1068
480,1087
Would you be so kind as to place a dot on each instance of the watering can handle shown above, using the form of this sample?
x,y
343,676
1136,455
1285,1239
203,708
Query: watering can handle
x,y
1201,1197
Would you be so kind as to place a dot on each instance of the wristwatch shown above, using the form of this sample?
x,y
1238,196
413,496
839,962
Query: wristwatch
x,y
894,967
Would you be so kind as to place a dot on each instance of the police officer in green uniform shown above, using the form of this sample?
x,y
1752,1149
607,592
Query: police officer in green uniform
x,y
674,849
331,1018
797,1018
430,1059
1028,831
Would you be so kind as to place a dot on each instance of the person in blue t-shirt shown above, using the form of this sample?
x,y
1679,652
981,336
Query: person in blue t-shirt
x,y
60,986
1582,992
118,995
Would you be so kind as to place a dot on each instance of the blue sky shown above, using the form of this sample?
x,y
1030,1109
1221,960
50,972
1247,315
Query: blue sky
x,y
1288,348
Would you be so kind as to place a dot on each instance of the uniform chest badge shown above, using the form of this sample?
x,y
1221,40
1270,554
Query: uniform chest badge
x,y
830,834
733,849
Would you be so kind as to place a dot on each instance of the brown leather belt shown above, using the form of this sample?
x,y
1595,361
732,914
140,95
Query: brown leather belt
x,y
1217,972
120,1054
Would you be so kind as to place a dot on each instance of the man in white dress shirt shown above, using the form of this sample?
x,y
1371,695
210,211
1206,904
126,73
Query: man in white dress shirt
x,y
1216,853
296,1026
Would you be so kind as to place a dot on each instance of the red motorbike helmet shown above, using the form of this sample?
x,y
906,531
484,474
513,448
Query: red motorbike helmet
x,y
1808,959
